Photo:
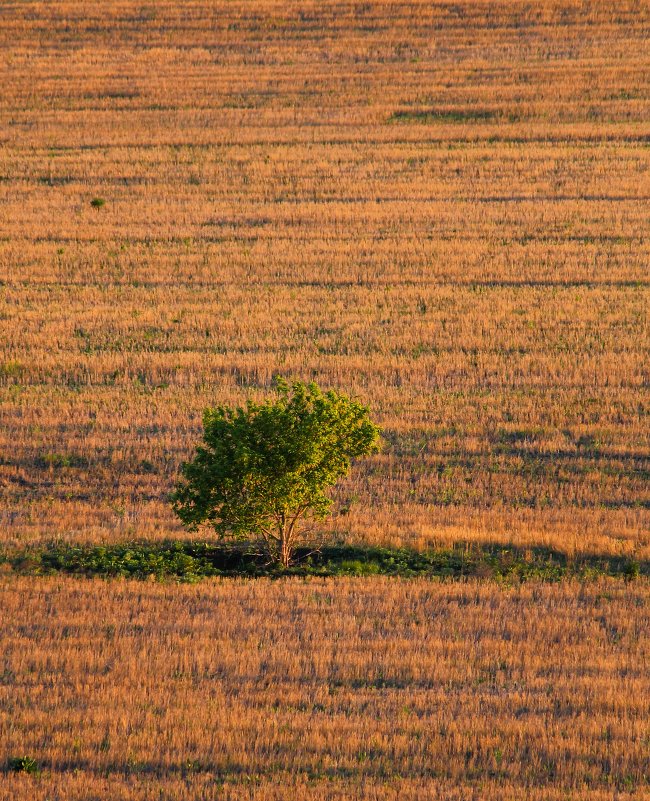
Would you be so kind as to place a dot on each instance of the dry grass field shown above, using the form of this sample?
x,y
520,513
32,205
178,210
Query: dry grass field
x,y
373,689
443,208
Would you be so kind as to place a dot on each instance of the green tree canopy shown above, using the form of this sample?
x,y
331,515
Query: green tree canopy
x,y
263,470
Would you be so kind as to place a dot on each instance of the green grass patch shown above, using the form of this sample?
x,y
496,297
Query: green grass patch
x,y
189,561
433,115
23,764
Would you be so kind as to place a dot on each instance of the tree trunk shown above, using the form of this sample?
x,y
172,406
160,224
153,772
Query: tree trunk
x,y
285,546
285,542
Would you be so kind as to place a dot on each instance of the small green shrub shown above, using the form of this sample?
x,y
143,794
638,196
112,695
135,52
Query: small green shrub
x,y
97,202
632,570
11,369
23,764
61,460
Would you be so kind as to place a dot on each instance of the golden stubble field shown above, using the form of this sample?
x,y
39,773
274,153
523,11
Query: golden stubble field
x,y
440,207
371,689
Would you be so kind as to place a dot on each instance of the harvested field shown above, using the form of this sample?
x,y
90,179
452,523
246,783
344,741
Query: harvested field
x,y
442,208
348,688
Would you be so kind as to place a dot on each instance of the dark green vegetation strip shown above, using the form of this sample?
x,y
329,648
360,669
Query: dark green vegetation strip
x,y
190,561
448,115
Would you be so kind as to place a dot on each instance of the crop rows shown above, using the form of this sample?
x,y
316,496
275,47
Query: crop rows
x,y
441,208
350,688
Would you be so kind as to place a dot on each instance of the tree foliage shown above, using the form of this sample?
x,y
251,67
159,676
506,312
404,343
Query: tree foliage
x,y
263,469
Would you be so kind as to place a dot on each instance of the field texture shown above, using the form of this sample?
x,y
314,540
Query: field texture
x,y
440,207
443,208
373,689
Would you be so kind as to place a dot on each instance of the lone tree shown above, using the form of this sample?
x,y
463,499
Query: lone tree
x,y
263,470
